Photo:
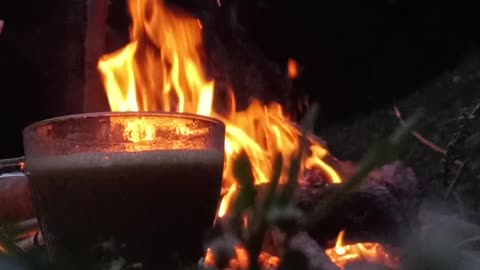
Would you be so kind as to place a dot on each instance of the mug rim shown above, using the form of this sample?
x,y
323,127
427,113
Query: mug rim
x,y
184,115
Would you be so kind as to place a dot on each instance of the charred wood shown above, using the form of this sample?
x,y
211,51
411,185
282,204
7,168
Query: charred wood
x,y
382,210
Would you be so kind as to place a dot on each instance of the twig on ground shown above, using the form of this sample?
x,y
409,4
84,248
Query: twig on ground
x,y
417,135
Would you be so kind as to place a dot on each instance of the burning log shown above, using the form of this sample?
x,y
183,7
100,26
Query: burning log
x,y
380,211
343,255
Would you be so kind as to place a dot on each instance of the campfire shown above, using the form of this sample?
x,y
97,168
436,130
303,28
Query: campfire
x,y
194,145
162,69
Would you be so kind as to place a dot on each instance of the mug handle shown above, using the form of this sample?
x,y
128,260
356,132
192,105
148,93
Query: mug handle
x,y
15,194
12,165
11,171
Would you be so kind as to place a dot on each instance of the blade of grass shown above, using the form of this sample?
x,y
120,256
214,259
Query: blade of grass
x,y
259,225
277,173
306,128
246,196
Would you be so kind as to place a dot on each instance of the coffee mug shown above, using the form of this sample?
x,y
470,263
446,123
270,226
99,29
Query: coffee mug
x,y
149,181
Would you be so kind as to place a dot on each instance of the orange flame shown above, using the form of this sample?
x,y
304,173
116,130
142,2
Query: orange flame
x,y
241,260
161,69
343,254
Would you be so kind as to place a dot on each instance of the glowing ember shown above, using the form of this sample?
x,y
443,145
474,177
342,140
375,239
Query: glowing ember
x,y
241,261
343,254
161,70
210,257
293,69
268,261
